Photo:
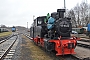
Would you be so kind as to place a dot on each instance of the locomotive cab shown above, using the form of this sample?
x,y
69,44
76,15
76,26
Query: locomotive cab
x,y
39,27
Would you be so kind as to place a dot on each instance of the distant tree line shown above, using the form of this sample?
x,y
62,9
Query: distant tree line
x,y
80,14
3,26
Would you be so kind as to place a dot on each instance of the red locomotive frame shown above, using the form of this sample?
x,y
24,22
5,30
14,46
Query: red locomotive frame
x,y
62,47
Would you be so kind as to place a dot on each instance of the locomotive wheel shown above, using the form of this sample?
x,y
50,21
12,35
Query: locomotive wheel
x,y
50,46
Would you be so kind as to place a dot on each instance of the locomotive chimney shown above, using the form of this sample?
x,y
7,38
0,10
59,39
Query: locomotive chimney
x,y
61,12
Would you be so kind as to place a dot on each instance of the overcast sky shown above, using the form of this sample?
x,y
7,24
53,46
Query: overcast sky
x,y
19,12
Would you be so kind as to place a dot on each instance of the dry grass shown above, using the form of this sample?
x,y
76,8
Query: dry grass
x,y
36,52
5,34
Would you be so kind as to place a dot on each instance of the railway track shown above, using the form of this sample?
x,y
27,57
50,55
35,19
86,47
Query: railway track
x,y
7,48
3,39
85,40
85,43
6,37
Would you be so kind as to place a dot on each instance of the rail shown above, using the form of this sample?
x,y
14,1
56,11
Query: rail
x,y
7,50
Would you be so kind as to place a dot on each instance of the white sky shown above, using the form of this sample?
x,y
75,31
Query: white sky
x,y
19,12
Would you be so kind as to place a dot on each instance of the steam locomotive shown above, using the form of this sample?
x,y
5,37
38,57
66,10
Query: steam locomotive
x,y
54,33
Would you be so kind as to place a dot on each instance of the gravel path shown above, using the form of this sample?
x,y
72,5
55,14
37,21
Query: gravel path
x,y
22,52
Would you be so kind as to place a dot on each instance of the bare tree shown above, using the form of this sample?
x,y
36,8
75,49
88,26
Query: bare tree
x,y
77,14
71,14
80,14
87,20
84,13
88,13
